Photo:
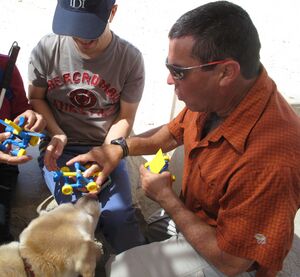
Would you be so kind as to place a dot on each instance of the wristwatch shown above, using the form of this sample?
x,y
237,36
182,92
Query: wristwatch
x,y
122,142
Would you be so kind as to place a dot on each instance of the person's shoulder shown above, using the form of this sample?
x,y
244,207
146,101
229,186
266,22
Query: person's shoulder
x,y
125,44
3,57
48,43
3,60
49,39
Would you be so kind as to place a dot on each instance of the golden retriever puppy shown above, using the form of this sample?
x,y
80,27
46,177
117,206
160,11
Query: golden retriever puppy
x,y
59,243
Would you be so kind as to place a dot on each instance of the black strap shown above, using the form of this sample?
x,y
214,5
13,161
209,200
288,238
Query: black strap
x,y
7,75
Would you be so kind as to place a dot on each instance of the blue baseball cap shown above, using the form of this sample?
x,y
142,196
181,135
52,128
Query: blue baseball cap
x,y
85,19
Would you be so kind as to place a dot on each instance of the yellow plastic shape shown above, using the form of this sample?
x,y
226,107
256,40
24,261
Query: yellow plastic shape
x,y
158,162
67,189
21,152
92,186
34,141
17,129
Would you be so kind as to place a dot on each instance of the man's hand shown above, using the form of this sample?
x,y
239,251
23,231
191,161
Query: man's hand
x,y
104,158
54,151
7,158
34,121
157,187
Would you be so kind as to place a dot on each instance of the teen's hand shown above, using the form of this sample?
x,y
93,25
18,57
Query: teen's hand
x,y
54,151
6,158
34,122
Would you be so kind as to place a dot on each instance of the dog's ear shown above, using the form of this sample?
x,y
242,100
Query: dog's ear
x,y
47,205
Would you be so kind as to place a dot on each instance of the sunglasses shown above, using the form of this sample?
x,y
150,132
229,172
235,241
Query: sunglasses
x,y
178,72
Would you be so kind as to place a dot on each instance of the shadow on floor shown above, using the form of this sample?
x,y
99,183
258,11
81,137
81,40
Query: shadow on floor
x,y
29,193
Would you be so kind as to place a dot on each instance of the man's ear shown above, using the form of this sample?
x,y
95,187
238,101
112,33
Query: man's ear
x,y
229,72
112,13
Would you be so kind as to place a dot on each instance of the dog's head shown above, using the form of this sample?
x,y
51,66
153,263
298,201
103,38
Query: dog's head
x,y
89,205
62,240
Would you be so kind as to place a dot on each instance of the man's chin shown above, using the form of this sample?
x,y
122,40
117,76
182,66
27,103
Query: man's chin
x,y
192,108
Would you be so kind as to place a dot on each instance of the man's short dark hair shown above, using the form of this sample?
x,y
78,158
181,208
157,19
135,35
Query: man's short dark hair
x,y
221,30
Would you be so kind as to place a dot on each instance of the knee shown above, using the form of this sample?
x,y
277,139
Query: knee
x,y
118,218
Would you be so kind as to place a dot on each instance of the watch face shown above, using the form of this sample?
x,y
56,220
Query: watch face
x,y
118,141
122,142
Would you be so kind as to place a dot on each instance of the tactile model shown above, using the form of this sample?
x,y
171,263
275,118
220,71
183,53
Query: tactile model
x,y
19,138
76,180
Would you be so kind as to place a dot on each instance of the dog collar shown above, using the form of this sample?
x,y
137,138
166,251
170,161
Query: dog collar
x,y
28,269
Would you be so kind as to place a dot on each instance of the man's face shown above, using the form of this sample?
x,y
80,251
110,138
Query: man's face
x,y
88,47
84,45
198,89
92,47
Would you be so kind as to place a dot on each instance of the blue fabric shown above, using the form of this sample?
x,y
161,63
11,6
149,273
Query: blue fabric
x,y
117,222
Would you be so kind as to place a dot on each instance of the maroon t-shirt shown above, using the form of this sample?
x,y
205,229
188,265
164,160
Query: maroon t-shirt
x,y
15,101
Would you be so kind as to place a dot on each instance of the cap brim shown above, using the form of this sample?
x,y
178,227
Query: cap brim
x,y
77,24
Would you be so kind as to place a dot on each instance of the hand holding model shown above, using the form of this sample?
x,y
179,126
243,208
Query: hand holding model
x,y
21,133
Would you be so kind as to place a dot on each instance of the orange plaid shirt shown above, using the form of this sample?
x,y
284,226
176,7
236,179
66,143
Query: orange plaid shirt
x,y
244,176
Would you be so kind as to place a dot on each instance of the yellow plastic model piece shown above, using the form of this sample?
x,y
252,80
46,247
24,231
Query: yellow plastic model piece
x,y
92,187
34,141
21,152
67,189
17,129
158,163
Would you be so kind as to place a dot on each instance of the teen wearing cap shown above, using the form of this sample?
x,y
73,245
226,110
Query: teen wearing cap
x,y
241,176
87,82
